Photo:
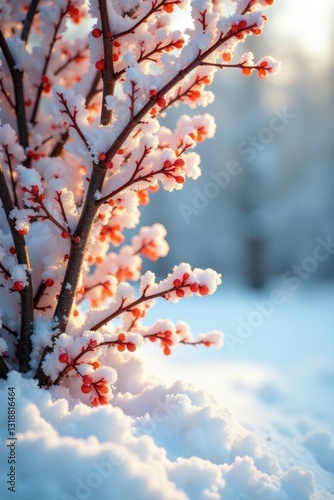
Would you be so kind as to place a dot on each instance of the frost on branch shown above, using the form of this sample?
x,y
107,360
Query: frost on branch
x,y
83,147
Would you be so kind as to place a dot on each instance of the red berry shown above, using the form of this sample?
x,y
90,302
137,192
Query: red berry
x,y
194,287
49,282
176,283
64,234
153,92
94,402
180,293
18,286
86,389
63,358
179,43
99,65
203,290
96,33
121,337
167,351
179,179
121,347
131,347
109,34
87,379
103,400
44,79
152,339
136,312
12,250
162,102
109,164
22,232
179,162
102,156
76,239
104,389
186,276
168,333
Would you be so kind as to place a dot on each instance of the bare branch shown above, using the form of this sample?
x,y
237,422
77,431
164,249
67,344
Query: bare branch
x,y
26,294
29,20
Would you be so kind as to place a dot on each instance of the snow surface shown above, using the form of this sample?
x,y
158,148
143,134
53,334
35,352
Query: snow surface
x,y
266,433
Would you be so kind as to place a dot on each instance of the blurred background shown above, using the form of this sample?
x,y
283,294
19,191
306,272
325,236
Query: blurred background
x,y
254,225
268,228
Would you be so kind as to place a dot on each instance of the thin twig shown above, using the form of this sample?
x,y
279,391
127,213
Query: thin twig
x,y
33,118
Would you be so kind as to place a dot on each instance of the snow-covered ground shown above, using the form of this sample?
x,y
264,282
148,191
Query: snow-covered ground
x,y
267,432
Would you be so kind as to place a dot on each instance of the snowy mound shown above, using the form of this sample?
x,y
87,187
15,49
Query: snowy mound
x,y
152,443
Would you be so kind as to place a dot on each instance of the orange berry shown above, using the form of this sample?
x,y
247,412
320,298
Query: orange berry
x,y
121,337
136,312
168,7
263,73
247,71
104,389
86,389
179,163
179,43
227,56
103,400
203,290
167,351
121,347
131,347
